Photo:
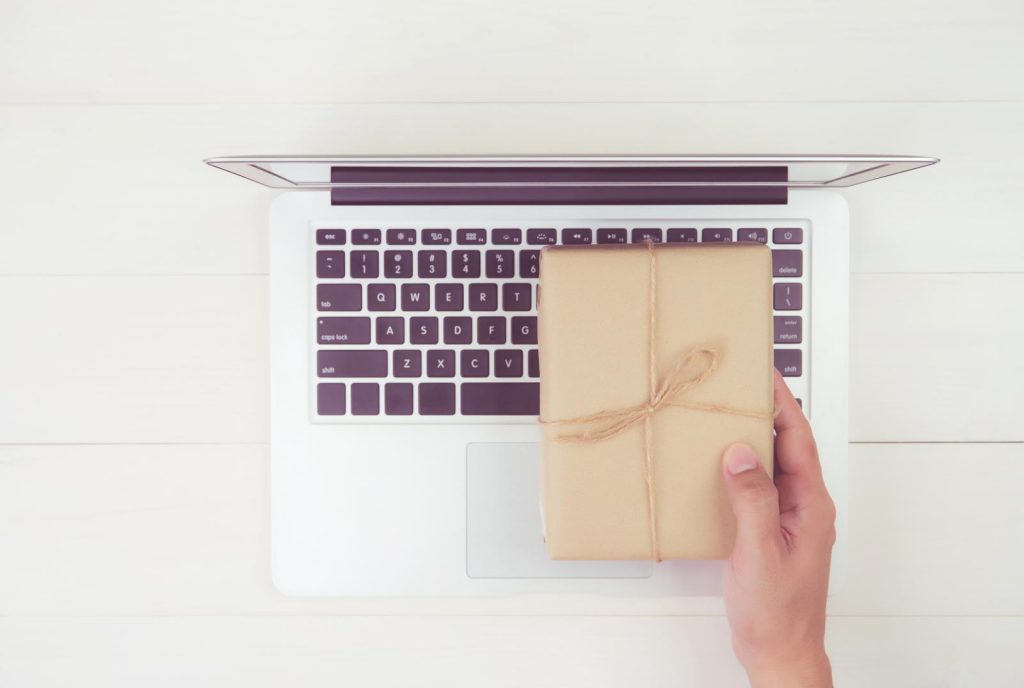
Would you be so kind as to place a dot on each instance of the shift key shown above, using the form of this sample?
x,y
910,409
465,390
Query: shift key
x,y
352,363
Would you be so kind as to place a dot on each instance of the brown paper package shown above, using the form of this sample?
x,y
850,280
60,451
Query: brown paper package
x,y
594,329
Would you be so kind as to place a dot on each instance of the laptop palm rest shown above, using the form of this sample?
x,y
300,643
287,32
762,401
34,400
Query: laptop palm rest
x,y
503,522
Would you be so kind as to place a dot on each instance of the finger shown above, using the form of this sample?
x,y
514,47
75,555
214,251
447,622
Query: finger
x,y
795,451
753,497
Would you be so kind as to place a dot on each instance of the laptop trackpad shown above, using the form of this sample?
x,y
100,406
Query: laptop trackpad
x,y
504,533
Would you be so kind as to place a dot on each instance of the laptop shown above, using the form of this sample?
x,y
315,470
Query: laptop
x,y
403,346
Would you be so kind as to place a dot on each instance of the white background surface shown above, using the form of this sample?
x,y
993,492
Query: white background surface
x,y
133,510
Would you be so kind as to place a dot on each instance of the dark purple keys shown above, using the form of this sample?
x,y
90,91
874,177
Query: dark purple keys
x,y
398,264
508,363
474,363
352,363
339,297
343,330
716,234
788,296
398,399
524,329
682,235
401,236
788,235
758,234
423,330
364,264
516,296
330,264
406,363
500,398
380,297
330,398
415,297
533,363
612,235
334,237
433,264
390,330
789,362
437,399
788,329
529,264
787,263
483,297
506,236
576,235
465,264
437,237
441,363
366,237
540,235
490,330
365,399
448,297
471,236
457,330
500,263
641,234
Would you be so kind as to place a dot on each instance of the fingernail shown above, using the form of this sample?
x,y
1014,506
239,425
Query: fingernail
x,y
739,458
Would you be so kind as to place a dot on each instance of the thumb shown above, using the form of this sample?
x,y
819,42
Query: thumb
x,y
755,501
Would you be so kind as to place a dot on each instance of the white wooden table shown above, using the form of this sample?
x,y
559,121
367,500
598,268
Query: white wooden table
x,y
133,393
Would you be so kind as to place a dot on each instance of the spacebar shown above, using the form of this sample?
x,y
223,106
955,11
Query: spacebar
x,y
500,398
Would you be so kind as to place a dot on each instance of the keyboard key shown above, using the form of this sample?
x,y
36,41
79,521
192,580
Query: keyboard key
x,y
508,363
401,236
398,264
466,264
524,329
789,362
533,363
483,297
365,399
490,330
433,264
576,236
500,263
343,330
474,363
516,296
440,363
641,234
330,398
330,236
457,330
398,399
500,398
364,264
529,264
716,234
788,296
390,330
437,237
787,263
788,235
423,330
380,297
448,297
366,237
406,363
682,235
504,237
472,236
330,264
415,297
758,234
339,297
611,235
540,235
437,399
788,329
352,363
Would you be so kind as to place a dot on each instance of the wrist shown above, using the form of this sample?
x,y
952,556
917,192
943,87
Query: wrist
x,y
812,670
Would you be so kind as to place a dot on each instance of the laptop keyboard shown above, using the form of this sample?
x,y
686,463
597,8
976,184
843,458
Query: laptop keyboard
x,y
441,323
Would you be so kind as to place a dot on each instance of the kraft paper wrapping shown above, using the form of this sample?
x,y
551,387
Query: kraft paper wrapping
x,y
601,499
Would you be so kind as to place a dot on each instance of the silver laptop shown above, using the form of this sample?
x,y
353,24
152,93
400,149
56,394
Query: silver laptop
x,y
404,376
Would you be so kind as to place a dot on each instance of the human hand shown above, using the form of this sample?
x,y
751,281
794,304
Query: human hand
x,y
776,580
